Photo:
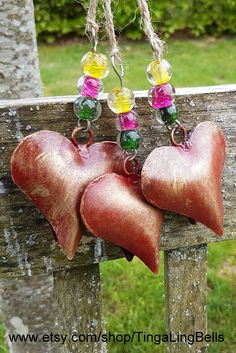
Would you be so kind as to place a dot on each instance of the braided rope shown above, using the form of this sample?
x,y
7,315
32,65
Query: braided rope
x,y
156,43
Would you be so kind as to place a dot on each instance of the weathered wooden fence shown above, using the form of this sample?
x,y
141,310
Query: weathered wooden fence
x,y
41,290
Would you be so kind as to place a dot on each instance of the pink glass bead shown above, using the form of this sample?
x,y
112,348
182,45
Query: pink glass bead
x,y
127,121
89,86
161,96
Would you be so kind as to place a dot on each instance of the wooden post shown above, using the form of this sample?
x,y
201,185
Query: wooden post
x,y
186,298
79,311
65,303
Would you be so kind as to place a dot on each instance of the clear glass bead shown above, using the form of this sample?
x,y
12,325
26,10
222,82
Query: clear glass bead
x,y
127,121
95,65
90,87
161,96
121,100
129,140
86,108
169,114
159,72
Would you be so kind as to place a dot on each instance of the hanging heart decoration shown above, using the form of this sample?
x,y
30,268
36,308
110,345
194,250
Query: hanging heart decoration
x,y
53,172
186,179
114,209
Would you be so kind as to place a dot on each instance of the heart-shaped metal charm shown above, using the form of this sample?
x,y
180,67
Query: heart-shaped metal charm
x,y
53,173
188,181
113,208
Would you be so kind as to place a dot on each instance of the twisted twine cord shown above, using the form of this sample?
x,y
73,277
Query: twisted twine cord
x,y
115,51
156,43
91,28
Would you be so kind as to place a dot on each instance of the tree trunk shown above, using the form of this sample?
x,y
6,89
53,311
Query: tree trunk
x,y
19,68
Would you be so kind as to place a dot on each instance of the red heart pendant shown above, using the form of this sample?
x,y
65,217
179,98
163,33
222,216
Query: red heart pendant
x,y
189,181
53,173
113,208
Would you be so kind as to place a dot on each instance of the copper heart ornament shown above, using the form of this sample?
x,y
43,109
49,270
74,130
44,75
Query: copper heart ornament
x,y
189,181
53,173
113,208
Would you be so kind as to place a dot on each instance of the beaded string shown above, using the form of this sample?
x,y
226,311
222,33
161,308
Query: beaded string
x,y
161,96
95,67
121,100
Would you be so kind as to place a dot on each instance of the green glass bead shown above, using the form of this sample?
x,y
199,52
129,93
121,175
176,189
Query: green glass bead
x,y
168,114
87,108
129,140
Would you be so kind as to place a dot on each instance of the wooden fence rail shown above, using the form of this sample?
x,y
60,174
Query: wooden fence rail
x,y
71,293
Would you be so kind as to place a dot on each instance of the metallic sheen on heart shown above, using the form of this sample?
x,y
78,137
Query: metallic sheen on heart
x,y
53,173
189,181
114,209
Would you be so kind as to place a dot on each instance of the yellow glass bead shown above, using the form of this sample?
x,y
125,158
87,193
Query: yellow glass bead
x,y
95,65
159,72
120,100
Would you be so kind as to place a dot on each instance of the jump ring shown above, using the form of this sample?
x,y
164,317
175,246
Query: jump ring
x,y
82,129
133,162
184,132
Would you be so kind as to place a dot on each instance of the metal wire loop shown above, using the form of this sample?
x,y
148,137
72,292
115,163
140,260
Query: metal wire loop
x,y
84,128
131,155
119,73
80,129
132,164
185,144
177,125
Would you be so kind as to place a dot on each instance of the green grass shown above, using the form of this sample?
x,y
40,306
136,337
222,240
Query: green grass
x,y
133,299
3,348
194,63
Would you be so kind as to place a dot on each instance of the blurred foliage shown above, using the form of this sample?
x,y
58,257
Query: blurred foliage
x,y
59,18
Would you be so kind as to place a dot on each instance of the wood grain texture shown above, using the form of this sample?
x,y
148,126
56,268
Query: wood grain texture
x,y
77,295
27,245
186,297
